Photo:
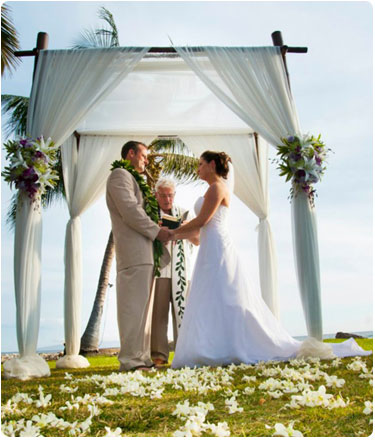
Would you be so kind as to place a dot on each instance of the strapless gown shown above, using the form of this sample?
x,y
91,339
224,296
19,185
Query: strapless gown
x,y
225,321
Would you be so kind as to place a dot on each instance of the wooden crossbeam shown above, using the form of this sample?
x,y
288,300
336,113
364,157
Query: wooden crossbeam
x,y
42,43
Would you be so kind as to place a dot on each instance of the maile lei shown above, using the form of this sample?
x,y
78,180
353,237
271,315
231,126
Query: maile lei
x,y
31,166
302,160
150,206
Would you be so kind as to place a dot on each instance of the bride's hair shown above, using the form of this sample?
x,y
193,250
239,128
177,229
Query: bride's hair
x,y
221,161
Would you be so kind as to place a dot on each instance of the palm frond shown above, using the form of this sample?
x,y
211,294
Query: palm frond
x,y
15,107
9,41
89,38
170,145
170,156
181,167
102,37
107,16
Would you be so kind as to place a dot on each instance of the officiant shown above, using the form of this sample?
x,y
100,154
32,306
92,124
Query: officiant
x,y
172,285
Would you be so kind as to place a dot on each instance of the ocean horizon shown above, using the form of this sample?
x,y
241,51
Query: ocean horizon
x,y
115,344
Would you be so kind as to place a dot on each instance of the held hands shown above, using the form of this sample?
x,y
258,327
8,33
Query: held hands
x,y
164,235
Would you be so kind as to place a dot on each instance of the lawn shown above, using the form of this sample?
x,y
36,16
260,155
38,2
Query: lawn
x,y
322,398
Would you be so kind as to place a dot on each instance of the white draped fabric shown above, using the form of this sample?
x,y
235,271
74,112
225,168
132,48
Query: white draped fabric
x,y
306,253
251,186
85,171
70,83
27,285
253,83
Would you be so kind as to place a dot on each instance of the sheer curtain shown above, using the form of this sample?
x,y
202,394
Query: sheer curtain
x,y
251,186
69,83
85,171
253,83
27,260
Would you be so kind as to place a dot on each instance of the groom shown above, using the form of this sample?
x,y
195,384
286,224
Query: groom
x,y
133,233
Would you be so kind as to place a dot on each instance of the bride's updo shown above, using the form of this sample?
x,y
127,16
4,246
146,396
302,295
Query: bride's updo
x,y
221,161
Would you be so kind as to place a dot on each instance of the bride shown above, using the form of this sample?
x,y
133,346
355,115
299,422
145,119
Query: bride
x,y
224,321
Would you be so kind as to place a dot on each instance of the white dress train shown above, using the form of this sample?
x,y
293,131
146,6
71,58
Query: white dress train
x,y
225,322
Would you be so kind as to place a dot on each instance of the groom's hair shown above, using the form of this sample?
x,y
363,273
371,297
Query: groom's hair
x,y
130,145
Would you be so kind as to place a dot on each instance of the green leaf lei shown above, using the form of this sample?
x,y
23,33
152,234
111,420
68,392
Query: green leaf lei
x,y
150,206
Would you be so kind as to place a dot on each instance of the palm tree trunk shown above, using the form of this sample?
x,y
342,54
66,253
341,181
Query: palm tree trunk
x,y
90,339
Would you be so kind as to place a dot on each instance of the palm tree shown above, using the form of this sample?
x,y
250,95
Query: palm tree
x,y
9,41
169,155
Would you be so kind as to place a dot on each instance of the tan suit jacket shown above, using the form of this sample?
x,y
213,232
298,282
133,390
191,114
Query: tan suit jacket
x,y
132,228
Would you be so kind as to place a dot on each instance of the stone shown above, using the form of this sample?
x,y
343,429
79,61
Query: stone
x,y
342,335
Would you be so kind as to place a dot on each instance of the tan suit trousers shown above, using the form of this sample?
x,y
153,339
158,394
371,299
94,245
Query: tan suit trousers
x,y
159,331
134,315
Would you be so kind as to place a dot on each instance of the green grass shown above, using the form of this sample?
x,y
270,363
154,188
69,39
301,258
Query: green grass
x,y
142,416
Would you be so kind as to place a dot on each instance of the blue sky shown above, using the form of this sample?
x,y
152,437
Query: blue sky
x,y
332,88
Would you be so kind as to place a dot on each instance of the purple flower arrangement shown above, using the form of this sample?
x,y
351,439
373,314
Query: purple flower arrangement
x,y
301,160
31,166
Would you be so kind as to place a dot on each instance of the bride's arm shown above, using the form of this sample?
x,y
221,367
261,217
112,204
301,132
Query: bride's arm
x,y
212,200
192,236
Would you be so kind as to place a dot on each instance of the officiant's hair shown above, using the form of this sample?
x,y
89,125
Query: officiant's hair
x,y
164,182
130,145
221,161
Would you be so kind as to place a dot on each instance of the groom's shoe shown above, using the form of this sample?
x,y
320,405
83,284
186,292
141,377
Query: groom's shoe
x,y
160,362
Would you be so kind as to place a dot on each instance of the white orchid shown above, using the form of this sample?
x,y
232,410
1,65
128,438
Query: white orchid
x,y
44,420
220,430
232,405
368,408
116,433
43,401
66,389
182,433
69,406
9,408
182,409
275,394
22,397
94,410
10,429
357,365
195,424
333,381
29,430
336,362
45,146
286,431
157,393
248,391
249,379
85,426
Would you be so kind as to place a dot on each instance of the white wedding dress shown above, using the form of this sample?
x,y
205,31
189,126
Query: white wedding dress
x,y
225,321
